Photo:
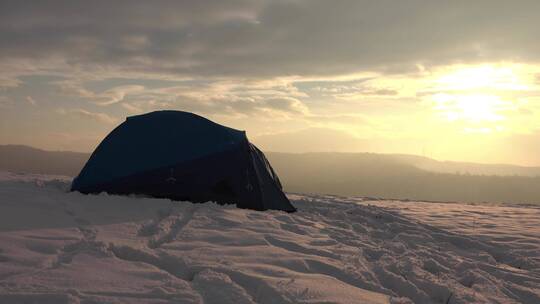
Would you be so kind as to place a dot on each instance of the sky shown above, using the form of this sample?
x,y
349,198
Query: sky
x,y
451,80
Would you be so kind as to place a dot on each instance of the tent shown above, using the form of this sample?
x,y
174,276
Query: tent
x,y
182,156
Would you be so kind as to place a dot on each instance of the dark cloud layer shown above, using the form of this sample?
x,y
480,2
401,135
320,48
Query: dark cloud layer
x,y
243,38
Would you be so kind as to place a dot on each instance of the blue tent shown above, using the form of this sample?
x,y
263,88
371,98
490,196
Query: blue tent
x,y
182,156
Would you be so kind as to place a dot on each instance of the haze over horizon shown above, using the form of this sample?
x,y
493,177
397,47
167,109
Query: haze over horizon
x,y
452,81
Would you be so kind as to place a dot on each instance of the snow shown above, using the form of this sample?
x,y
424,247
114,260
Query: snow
x,y
62,247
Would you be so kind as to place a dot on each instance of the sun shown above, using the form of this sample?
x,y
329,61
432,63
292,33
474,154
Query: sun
x,y
470,107
479,107
477,94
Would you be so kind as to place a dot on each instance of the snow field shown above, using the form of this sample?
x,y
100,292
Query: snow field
x,y
60,247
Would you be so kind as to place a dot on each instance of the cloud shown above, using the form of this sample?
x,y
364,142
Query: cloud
x,y
133,109
351,90
359,66
84,114
116,94
5,102
267,38
105,98
347,120
228,105
233,98
7,81
31,100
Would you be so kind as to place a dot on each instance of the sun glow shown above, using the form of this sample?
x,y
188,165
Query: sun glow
x,y
479,93
473,108
482,77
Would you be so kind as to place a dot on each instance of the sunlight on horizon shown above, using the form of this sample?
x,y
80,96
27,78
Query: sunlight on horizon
x,y
461,112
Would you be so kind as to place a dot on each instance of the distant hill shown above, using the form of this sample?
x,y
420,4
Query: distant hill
x,y
18,158
390,176
432,165
361,174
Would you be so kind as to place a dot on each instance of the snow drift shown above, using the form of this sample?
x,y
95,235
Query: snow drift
x,y
60,247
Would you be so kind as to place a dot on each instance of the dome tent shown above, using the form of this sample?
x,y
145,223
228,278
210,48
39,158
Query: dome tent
x,y
182,156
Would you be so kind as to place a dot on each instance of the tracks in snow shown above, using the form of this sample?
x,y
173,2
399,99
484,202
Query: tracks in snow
x,y
86,243
166,227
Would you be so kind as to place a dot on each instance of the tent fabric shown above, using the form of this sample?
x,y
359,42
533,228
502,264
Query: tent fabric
x,y
182,156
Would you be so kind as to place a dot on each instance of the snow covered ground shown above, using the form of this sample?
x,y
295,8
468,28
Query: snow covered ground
x,y
61,247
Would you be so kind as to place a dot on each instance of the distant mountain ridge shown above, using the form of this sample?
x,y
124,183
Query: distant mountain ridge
x,y
382,176
19,158
29,159
349,174
471,168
